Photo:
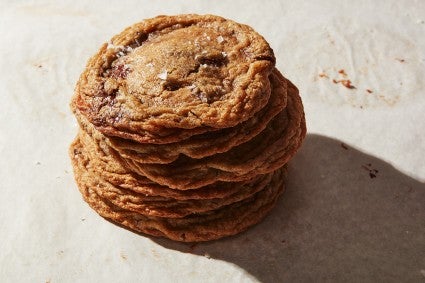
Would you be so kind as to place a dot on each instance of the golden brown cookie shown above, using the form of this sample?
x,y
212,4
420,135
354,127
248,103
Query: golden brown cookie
x,y
185,128
164,206
103,161
210,143
266,152
170,77
225,221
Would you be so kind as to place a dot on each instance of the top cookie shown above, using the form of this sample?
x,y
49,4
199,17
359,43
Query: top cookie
x,y
191,72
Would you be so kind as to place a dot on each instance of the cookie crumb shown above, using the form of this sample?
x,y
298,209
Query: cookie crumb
x,y
123,256
346,83
344,146
373,173
38,163
369,91
400,60
83,219
342,72
323,75
207,255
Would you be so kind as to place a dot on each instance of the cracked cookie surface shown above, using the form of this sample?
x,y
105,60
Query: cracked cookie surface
x,y
168,78
209,143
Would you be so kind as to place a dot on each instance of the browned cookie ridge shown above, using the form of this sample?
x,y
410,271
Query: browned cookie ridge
x,y
103,161
210,143
168,78
225,221
266,152
164,206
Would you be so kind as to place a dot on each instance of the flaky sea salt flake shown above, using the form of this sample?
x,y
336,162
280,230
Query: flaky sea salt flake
x,y
163,75
111,46
220,39
203,97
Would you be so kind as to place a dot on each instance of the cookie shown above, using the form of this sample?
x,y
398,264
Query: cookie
x,y
104,162
163,206
215,224
171,77
210,143
266,152
186,128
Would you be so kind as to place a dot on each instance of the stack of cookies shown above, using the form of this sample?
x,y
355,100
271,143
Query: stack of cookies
x,y
185,128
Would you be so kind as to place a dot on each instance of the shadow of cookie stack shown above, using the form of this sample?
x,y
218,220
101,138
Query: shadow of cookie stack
x,y
185,128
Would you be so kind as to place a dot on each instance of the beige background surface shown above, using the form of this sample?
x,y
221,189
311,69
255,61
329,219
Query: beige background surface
x,y
334,223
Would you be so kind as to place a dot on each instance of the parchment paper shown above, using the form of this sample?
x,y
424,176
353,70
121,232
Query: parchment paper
x,y
354,210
